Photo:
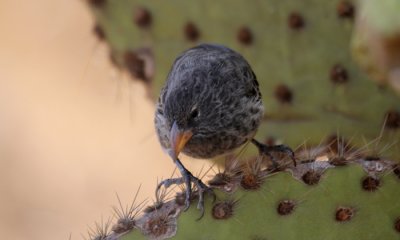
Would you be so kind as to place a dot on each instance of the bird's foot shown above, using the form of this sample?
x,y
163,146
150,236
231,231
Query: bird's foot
x,y
267,150
187,179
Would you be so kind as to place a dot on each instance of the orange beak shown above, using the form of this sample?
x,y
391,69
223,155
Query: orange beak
x,y
178,140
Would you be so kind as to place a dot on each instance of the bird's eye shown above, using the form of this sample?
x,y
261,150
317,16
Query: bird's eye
x,y
194,114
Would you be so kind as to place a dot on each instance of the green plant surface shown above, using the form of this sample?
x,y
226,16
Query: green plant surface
x,y
255,213
310,84
312,89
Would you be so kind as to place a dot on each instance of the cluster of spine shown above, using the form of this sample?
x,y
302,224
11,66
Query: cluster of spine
x,y
335,192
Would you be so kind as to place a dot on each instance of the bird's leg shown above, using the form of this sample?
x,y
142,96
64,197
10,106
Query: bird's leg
x,y
188,178
265,149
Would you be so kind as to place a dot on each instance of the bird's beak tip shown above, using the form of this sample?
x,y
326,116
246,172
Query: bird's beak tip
x,y
178,140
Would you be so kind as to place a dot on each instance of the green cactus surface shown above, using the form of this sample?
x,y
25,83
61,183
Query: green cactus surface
x,y
299,50
342,187
328,195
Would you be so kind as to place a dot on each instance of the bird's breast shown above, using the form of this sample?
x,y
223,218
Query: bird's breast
x,y
210,147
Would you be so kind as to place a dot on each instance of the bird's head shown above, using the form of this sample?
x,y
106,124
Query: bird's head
x,y
186,114
210,102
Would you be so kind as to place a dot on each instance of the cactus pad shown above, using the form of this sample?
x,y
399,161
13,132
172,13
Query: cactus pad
x,y
299,51
357,199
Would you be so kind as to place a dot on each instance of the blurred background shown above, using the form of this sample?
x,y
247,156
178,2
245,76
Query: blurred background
x,y
73,130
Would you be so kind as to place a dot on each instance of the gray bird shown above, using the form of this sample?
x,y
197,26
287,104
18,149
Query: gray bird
x,y
209,106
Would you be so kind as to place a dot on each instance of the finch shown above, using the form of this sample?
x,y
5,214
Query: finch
x,y
210,105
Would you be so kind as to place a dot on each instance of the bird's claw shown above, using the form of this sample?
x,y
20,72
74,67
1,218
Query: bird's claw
x,y
188,178
201,189
168,182
284,149
264,149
